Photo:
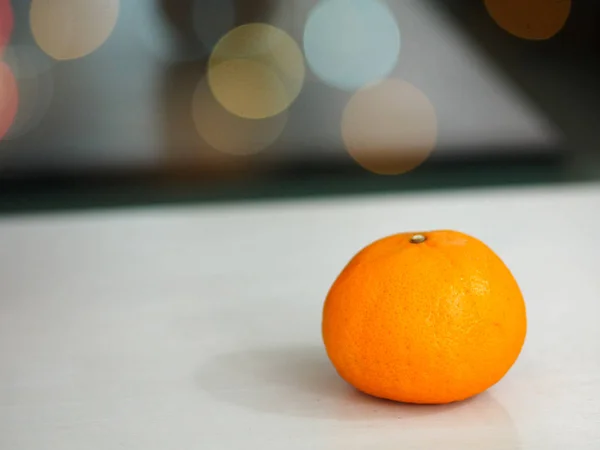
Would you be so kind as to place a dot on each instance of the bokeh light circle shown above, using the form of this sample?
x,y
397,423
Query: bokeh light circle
x,y
248,89
351,43
71,29
256,71
31,69
6,23
389,128
530,19
9,98
230,133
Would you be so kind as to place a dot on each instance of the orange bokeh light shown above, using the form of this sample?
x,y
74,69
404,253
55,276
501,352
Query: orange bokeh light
x,y
530,19
390,128
9,98
6,23
230,133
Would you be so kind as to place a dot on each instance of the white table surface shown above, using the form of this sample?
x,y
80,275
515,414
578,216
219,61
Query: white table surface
x,y
199,327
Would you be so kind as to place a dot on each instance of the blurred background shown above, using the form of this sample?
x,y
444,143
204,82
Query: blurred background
x,y
120,102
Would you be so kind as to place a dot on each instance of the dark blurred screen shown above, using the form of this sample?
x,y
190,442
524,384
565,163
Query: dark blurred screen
x,y
136,86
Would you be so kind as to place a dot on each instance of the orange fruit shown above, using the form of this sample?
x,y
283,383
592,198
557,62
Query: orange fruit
x,y
432,317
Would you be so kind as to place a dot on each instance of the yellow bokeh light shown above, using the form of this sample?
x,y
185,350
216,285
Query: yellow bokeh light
x,y
230,133
389,128
256,71
71,29
248,89
530,19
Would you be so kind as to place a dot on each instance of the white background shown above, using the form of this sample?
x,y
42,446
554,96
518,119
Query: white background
x,y
199,327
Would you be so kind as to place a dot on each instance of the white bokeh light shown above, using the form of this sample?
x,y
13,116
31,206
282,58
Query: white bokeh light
x,y
351,43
